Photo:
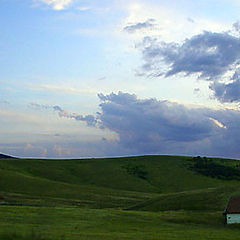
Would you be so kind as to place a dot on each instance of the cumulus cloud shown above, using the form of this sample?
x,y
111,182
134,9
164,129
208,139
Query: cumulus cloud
x,y
150,124
210,56
140,26
32,150
153,126
227,92
57,4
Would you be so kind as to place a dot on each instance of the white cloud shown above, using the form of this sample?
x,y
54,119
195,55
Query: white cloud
x,y
57,4
219,124
83,8
66,89
170,24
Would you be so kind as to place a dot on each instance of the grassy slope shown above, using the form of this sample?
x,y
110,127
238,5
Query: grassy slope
x,y
212,199
165,173
105,182
169,186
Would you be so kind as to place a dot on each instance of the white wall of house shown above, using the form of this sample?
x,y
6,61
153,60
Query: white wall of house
x,y
233,218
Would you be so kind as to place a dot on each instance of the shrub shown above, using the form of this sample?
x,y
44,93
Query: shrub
x,y
209,168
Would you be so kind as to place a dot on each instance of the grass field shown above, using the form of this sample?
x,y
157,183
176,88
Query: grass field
x,y
147,197
72,223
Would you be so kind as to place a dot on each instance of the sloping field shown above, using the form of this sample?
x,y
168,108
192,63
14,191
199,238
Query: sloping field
x,y
206,200
163,174
166,181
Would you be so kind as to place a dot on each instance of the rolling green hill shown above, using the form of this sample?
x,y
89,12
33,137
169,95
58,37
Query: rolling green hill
x,y
123,187
117,182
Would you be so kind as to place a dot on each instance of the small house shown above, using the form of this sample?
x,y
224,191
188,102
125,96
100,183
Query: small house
x,y
232,211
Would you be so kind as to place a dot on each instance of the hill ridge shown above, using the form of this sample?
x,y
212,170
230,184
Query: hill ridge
x,y
4,156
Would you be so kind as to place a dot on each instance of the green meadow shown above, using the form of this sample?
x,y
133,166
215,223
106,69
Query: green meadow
x,y
146,197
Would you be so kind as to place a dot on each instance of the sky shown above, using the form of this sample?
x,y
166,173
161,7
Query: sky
x,y
83,78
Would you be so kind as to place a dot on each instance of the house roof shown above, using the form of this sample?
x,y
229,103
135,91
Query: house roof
x,y
233,205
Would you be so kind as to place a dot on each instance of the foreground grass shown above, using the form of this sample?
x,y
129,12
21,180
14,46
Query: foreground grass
x,y
20,236
82,224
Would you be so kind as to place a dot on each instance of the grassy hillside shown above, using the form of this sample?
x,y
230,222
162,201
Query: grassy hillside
x,y
170,191
114,182
206,200
164,174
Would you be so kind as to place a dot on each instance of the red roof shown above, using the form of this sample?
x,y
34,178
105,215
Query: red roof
x,y
233,205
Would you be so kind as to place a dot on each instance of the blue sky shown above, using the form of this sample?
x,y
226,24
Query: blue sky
x,y
113,78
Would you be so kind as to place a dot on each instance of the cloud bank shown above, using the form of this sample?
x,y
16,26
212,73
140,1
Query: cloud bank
x,y
150,126
153,126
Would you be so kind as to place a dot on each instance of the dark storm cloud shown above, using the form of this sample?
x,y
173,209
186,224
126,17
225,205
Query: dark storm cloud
x,y
152,126
140,26
208,54
226,143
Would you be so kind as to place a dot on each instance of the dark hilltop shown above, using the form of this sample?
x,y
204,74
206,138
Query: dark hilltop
x,y
5,156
